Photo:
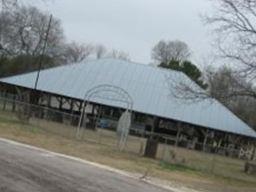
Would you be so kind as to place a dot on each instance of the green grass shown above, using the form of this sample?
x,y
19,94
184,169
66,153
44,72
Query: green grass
x,y
176,167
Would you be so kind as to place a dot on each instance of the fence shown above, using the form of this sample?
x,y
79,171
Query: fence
x,y
65,124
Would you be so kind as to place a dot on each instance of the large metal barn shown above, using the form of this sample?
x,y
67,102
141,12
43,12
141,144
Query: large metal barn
x,y
203,125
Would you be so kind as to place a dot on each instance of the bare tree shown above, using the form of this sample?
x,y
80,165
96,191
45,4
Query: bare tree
x,y
116,54
13,4
100,51
227,87
75,52
6,4
226,84
24,32
235,24
165,51
186,90
23,37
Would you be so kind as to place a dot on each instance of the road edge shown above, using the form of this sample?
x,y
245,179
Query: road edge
x,y
150,181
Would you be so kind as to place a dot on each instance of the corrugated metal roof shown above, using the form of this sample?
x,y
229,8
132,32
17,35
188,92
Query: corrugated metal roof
x,y
147,86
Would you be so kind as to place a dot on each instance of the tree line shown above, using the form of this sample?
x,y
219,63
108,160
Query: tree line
x,y
23,29
233,84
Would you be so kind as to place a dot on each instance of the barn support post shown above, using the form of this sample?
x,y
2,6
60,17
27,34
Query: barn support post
x,y
154,125
5,97
83,113
48,105
71,106
34,97
76,104
80,106
93,117
237,143
13,103
48,101
81,119
99,113
253,157
41,99
59,115
193,142
61,103
178,134
164,149
232,143
206,134
100,127
226,140
93,109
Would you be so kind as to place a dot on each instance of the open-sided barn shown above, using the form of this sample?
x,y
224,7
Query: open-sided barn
x,y
151,96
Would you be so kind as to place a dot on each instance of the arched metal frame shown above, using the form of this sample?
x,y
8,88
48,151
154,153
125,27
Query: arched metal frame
x,y
107,92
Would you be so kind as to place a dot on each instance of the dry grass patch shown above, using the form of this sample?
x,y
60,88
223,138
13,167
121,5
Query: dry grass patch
x,y
50,139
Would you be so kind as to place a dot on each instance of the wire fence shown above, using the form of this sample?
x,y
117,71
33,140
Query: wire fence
x,y
64,124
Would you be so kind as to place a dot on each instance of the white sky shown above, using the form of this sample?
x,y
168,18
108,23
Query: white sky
x,y
135,26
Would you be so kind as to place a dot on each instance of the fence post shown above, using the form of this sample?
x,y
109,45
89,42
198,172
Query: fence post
x,y
4,104
141,152
205,140
178,135
13,103
164,149
253,157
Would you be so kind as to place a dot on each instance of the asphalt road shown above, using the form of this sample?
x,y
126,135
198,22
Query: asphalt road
x,y
29,170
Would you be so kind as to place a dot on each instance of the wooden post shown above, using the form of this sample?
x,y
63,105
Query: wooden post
x,y
49,101
40,99
72,106
5,97
83,120
13,103
205,139
48,105
60,103
100,127
254,152
80,107
178,134
164,149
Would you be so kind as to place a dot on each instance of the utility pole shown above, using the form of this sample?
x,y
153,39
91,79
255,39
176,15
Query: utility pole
x,y
43,52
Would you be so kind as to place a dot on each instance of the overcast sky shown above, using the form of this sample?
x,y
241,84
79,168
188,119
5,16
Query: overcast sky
x,y
135,26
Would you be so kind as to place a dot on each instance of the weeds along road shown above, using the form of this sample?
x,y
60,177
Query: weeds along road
x,y
28,170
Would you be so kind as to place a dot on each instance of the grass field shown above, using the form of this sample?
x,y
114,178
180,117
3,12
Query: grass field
x,y
200,171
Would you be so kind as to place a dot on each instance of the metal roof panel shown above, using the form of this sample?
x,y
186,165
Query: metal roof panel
x,y
147,86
